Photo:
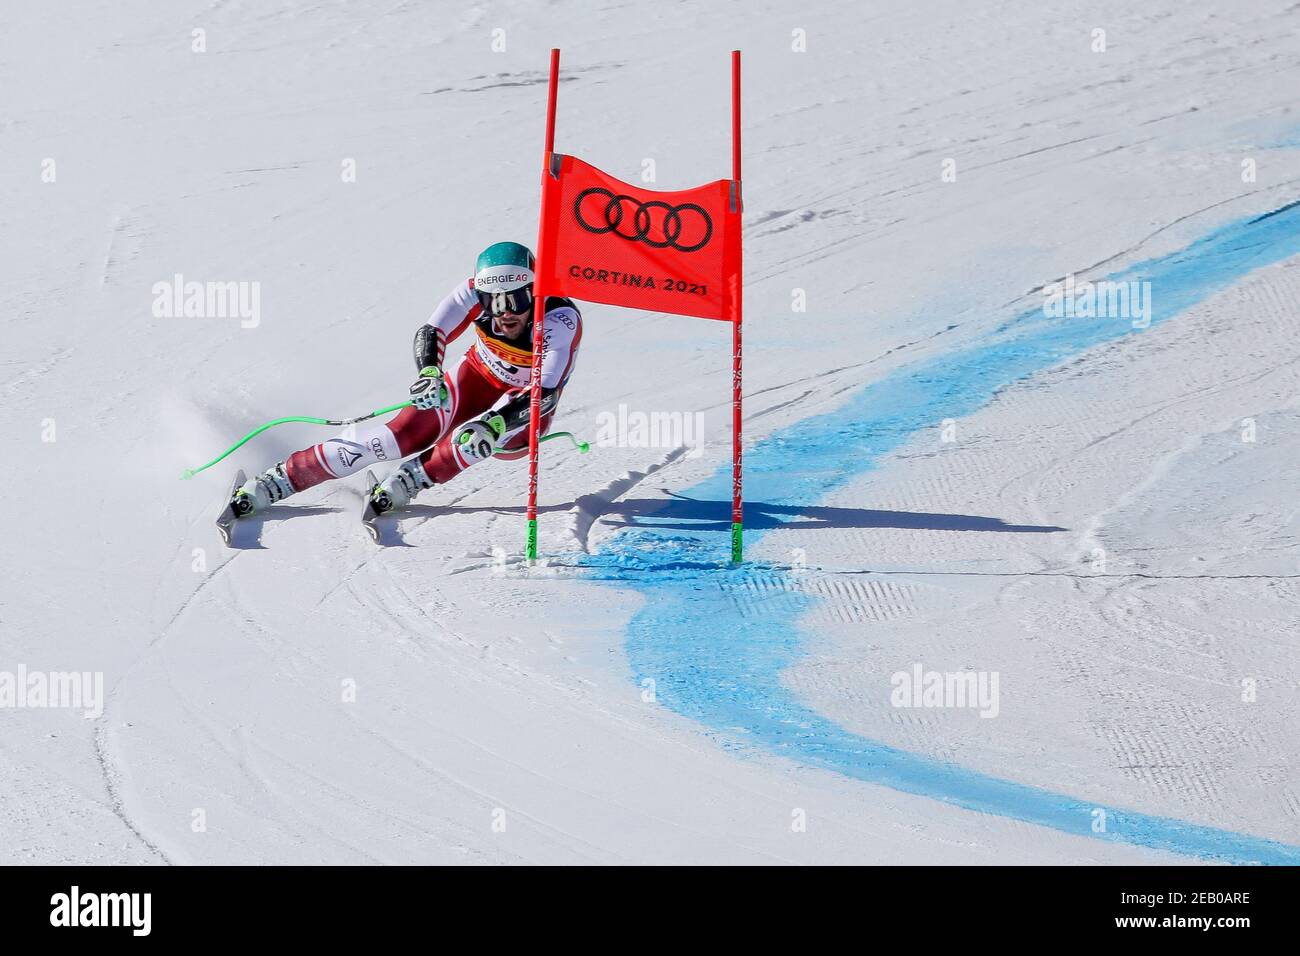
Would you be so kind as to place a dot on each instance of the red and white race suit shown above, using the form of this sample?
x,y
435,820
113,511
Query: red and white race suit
x,y
493,373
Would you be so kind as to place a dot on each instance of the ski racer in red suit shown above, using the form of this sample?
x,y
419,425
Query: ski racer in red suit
x,y
477,409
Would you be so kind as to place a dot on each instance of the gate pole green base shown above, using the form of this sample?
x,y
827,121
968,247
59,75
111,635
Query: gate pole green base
x,y
530,551
737,542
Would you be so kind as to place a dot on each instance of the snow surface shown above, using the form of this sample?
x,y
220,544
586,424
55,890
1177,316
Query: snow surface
x,y
1097,531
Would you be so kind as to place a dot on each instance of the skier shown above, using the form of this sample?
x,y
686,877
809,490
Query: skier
x,y
477,409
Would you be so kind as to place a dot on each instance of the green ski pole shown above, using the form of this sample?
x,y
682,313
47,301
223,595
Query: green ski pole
x,y
189,473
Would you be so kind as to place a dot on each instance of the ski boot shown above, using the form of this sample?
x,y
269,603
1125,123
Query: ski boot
x,y
258,494
399,488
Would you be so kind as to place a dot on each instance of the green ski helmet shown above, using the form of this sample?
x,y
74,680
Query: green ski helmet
x,y
503,278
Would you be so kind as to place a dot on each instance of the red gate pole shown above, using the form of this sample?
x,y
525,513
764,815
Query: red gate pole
x,y
543,263
737,512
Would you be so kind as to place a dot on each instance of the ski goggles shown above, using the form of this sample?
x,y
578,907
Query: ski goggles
x,y
499,302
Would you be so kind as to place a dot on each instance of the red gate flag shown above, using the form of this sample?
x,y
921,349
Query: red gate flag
x,y
602,240
611,242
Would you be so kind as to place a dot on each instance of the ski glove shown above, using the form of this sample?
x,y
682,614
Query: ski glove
x,y
430,391
477,440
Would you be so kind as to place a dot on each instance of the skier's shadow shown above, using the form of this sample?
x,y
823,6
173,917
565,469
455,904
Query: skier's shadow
x,y
246,535
691,514
679,513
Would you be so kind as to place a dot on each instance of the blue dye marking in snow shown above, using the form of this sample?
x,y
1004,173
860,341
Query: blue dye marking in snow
x,y
721,666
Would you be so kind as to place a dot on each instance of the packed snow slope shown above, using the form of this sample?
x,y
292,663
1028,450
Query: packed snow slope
x,y
941,476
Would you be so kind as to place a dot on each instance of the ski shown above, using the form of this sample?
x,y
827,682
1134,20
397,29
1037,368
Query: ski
x,y
368,512
227,518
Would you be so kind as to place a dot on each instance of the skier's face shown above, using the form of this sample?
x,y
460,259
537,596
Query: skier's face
x,y
509,309
511,324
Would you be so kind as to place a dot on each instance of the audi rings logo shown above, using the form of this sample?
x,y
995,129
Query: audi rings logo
x,y
685,228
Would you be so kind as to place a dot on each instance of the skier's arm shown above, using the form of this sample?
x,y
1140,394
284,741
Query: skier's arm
x,y
516,411
563,332
449,320
427,347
